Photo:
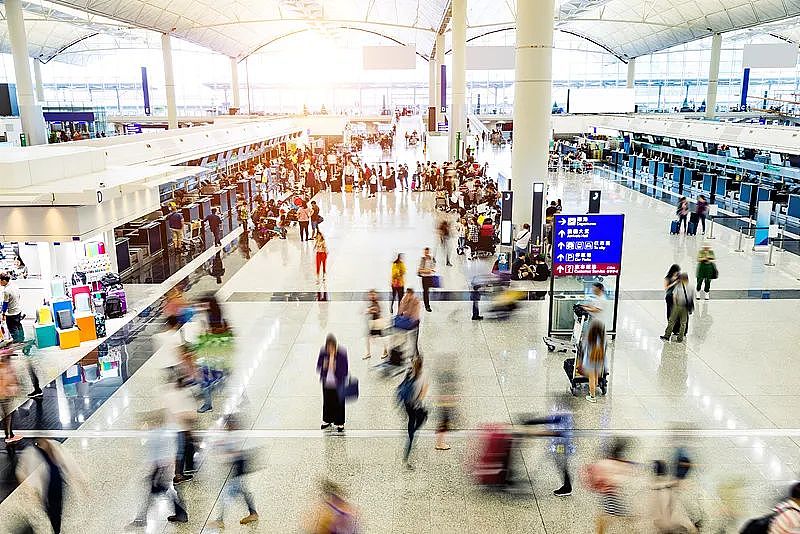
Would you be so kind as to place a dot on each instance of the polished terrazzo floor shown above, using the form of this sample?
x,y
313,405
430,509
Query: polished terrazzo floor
x,y
731,383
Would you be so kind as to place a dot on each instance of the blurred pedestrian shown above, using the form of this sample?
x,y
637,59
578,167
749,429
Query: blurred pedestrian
x,y
671,280
608,477
562,446
48,469
237,460
12,308
594,356
445,407
321,248
398,281
161,458
706,270
443,231
332,367
683,305
181,412
9,389
682,212
316,218
702,211
408,317
333,515
412,392
375,322
303,218
427,272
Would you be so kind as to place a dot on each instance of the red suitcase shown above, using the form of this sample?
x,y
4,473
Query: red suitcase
x,y
491,467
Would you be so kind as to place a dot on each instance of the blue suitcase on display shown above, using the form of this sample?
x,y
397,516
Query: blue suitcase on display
x,y
675,227
691,228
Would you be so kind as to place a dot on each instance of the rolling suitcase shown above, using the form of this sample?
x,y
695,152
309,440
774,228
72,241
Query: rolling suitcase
x,y
576,380
675,227
691,228
491,467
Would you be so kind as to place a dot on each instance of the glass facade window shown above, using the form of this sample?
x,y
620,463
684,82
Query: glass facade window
x,y
311,72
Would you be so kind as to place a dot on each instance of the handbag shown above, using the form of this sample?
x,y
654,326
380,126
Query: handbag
x,y
714,271
350,392
436,281
404,323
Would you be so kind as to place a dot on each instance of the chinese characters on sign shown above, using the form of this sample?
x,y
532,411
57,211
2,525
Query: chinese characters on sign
x,y
587,244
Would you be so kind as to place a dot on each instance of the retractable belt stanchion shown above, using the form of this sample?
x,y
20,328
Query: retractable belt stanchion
x,y
741,231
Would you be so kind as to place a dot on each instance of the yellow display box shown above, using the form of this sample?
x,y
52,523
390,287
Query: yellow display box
x,y
85,324
69,338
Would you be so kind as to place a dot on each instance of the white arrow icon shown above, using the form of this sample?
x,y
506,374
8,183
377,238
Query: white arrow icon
x,y
561,246
560,269
562,222
561,233
560,257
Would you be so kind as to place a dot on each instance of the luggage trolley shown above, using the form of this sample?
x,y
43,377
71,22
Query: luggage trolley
x,y
555,344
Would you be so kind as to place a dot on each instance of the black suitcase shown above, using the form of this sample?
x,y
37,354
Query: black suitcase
x,y
576,382
694,218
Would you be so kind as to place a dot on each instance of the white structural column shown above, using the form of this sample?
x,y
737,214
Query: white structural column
x,y
29,111
37,80
237,101
532,103
631,73
169,82
433,71
713,76
458,111
439,61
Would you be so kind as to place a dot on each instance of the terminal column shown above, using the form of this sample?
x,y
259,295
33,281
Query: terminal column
x,y
439,61
432,73
169,82
631,73
30,112
532,105
235,83
713,76
37,80
458,112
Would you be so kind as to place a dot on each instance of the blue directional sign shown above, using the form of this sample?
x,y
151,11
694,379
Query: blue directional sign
x,y
587,244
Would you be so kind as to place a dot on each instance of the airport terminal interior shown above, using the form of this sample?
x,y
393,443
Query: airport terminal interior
x,y
400,266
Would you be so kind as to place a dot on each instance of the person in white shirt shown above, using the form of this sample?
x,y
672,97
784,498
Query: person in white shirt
x,y
12,308
599,306
523,240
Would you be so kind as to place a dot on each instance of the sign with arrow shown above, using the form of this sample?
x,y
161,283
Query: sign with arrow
x,y
587,245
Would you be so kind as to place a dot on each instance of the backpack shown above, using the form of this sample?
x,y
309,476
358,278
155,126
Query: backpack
x,y
78,278
113,306
111,281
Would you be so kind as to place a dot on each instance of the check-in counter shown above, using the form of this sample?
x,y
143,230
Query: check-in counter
x,y
220,200
651,167
793,206
191,213
677,176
